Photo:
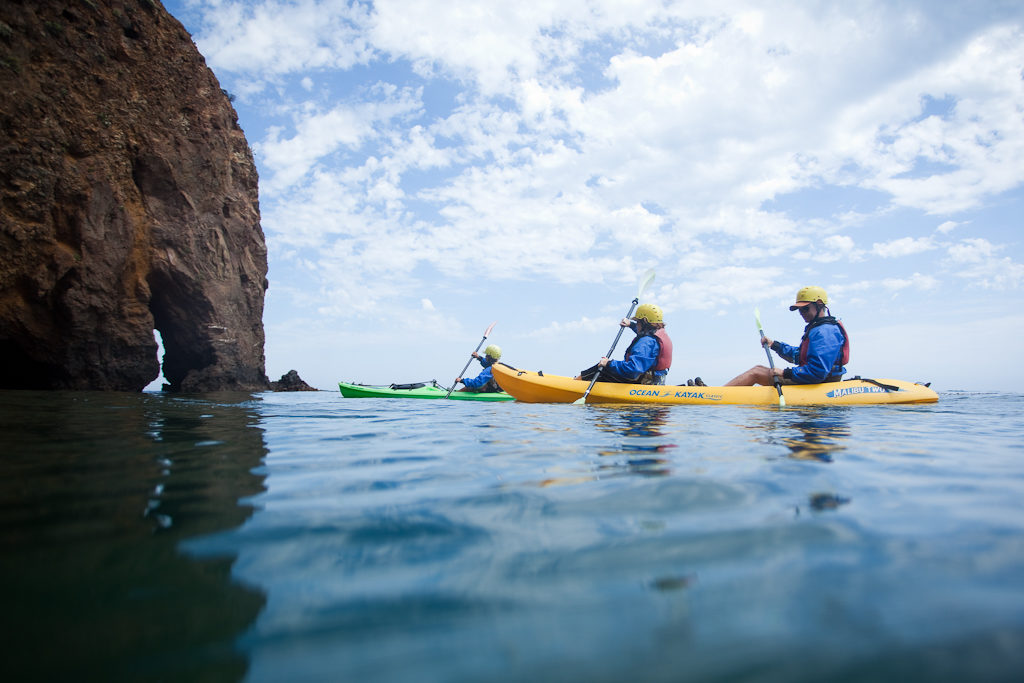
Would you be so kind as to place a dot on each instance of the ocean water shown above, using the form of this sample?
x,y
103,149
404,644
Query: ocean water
x,y
307,537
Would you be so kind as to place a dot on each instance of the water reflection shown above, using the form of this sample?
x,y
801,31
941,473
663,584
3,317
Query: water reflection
x,y
637,434
97,491
821,433
641,421
643,445
813,434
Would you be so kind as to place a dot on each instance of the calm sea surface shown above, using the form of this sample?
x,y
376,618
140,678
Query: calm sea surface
x,y
308,537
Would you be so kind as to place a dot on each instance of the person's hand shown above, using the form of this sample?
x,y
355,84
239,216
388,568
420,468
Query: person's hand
x,y
603,362
624,322
475,354
458,380
766,341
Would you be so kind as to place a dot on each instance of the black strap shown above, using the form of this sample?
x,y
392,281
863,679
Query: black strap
x,y
414,385
510,367
887,387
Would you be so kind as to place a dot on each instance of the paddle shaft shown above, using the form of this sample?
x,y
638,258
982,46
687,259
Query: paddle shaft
x,y
454,382
771,363
610,352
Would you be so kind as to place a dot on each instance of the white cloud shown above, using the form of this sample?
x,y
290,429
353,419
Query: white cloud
x,y
1000,274
725,286
838,247
976,260
975,250
584,324
319,134
904,246
724,109
979,143
275,38
915,281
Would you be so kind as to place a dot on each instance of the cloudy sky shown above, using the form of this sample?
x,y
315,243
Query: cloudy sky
x,y
427,168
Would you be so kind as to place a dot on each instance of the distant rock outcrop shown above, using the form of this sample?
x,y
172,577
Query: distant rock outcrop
x,y
128,203
290,381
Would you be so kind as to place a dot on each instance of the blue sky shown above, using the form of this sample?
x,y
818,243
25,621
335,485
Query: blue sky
x,y
427,168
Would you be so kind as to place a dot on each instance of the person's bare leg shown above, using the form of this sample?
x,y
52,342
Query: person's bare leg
x,y
759,374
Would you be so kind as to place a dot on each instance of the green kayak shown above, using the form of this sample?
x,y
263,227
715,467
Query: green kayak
x,y
418,390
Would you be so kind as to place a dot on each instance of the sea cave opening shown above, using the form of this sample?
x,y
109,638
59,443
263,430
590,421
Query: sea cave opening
x,y
158,383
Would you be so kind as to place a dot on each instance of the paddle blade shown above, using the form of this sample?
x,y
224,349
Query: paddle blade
x,y
645,282
580,401
491,327
782,401
757,317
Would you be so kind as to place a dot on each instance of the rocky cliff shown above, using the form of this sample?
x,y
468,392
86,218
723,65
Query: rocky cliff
x,y
128,203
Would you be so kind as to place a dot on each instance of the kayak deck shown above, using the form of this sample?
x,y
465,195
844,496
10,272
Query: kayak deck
x,y
422,390
534,387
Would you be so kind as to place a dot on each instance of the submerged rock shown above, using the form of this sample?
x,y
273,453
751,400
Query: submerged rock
x,y
128,203
826,501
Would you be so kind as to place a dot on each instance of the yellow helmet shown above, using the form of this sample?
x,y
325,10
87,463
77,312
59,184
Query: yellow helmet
x,y
493,351
809,295
650,313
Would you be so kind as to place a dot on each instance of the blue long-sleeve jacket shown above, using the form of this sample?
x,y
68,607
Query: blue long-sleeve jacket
x,y
483,378
642,357
825,344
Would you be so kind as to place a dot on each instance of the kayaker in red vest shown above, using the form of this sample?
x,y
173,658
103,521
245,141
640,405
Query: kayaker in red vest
x,y
484,382
648,357
822,354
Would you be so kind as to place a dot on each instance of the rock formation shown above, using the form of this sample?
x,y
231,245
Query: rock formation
x,y
128,203
290,381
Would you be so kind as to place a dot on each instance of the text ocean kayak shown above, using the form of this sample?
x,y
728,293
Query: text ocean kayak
x,y
533,387
417,390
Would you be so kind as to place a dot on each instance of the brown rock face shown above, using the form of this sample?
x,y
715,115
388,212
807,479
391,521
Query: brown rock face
x,y
128,203
290,381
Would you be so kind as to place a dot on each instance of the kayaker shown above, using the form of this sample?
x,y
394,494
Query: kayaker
x,y
648,357
484,382
822,354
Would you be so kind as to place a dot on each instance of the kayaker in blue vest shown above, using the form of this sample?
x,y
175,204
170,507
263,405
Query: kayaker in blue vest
x,y
484,382
822,354
648,357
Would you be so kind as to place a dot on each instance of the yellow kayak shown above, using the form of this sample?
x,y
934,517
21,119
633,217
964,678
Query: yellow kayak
x,y
535,387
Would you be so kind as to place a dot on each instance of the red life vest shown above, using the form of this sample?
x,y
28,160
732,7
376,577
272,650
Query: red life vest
x,y
805,342
664,359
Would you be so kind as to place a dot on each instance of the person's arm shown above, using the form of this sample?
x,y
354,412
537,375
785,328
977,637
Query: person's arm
x,y
785,351
825,345
480,380
641,359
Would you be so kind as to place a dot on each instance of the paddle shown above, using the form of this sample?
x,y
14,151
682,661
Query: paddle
x,y
771,363
486,333
644,283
